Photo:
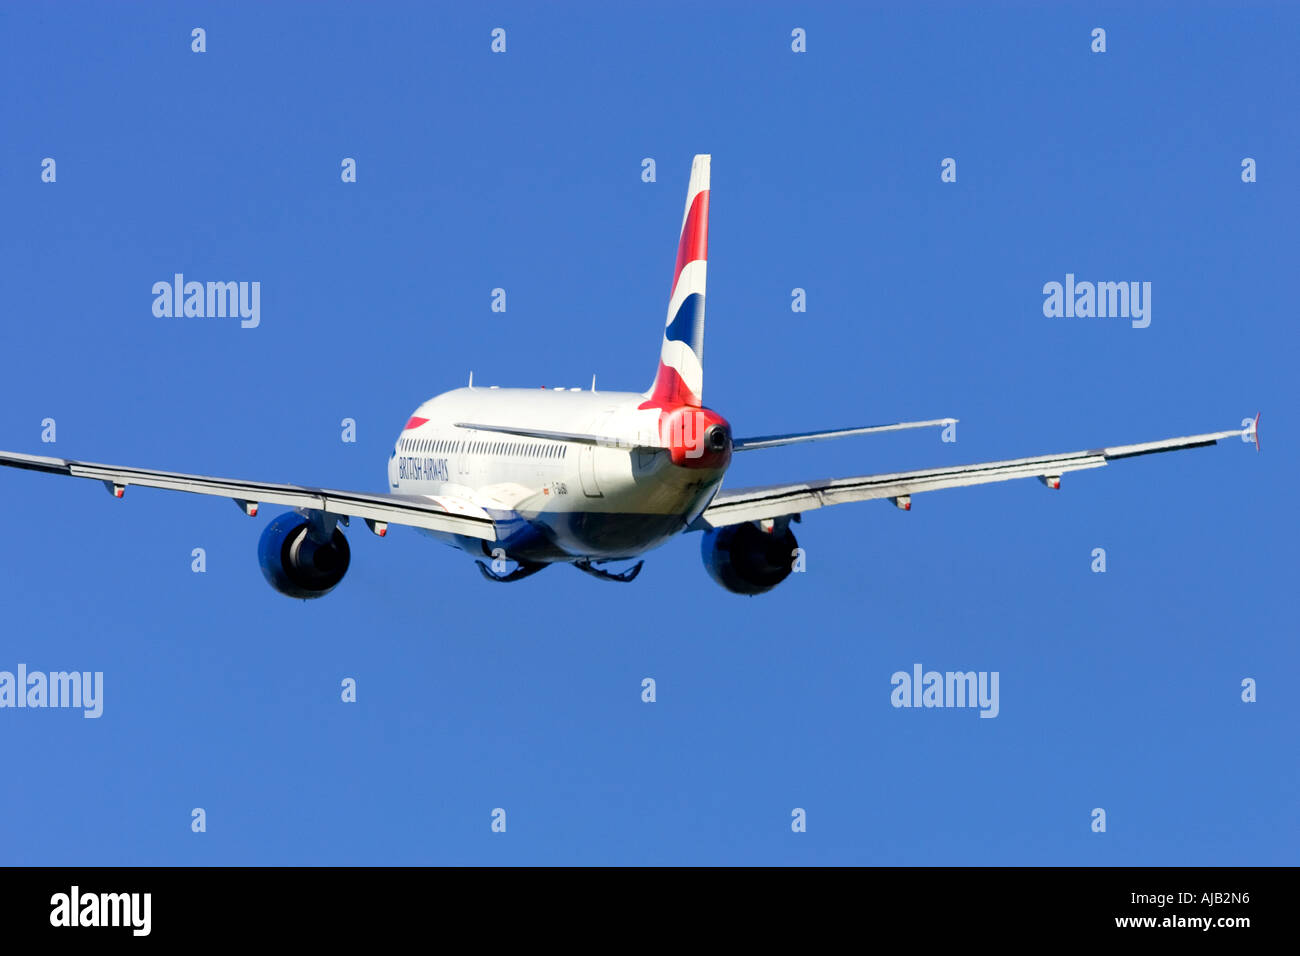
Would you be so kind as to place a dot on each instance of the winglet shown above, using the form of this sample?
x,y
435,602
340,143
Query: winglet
x,y
1255,429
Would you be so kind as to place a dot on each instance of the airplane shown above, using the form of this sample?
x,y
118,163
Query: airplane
x,y
525,478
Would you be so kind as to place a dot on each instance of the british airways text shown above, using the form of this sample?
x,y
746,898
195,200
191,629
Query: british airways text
x,y
422,469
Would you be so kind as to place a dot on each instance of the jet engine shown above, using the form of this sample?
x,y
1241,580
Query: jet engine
x,y
746,559
299,560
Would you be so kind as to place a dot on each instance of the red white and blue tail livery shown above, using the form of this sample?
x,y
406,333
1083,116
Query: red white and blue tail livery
x,y
526,478
680,380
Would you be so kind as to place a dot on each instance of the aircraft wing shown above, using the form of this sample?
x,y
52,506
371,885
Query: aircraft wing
x,y
775,501
377,509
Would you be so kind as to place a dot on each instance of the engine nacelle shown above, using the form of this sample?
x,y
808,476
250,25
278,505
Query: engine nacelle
x,y
745,559
296,562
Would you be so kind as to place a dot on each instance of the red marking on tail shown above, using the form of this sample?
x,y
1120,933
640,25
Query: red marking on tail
x,y
681,431
694,243
669,391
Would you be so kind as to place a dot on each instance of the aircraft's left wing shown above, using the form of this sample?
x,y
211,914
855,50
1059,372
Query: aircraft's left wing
x,y
379,510
775,501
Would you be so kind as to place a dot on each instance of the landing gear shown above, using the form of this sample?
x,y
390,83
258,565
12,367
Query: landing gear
x,y
587,566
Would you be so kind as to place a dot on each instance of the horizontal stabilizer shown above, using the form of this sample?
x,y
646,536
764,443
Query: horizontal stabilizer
x,y
772,441
582,438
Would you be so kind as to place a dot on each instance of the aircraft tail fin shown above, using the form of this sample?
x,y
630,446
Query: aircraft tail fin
x,y
680,380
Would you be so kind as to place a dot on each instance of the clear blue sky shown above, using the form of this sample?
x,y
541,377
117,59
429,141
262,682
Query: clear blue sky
x,y
1118,690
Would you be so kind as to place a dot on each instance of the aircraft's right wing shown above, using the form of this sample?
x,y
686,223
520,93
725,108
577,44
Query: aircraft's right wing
x,y
775,501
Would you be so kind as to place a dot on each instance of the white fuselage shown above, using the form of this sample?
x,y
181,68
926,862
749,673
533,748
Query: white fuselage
x,y
551,499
